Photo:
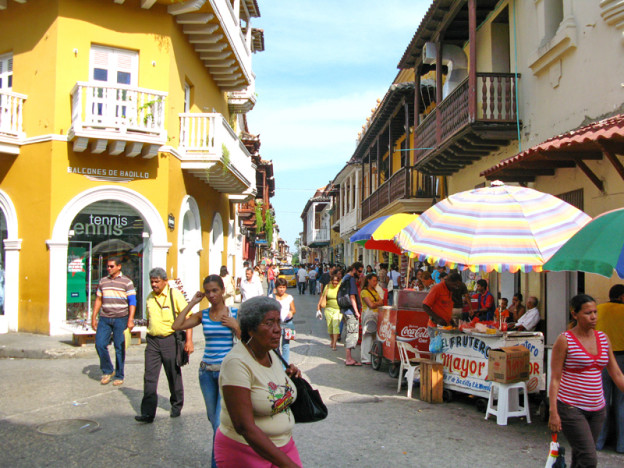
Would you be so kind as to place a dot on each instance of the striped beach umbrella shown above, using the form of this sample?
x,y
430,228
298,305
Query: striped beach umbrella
x,y
497,228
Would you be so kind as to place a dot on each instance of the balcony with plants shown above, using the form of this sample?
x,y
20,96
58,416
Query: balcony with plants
x,y
211,151
117,119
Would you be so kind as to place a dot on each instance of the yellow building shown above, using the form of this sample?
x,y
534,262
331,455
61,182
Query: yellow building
x,y
119,125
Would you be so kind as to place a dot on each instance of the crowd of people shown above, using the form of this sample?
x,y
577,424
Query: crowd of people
x,y
248,391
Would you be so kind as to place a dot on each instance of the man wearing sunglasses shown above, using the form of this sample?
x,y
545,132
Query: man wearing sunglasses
x,y
115,304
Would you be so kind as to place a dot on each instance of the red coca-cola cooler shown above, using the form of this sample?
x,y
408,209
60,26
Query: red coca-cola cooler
x,y
405,322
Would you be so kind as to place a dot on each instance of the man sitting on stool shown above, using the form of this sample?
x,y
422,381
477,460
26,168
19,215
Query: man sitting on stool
x,y
530,319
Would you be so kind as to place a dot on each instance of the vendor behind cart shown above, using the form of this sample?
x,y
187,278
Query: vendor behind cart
x,y
439,302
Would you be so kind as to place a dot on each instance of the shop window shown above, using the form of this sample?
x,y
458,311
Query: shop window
x,y
99,232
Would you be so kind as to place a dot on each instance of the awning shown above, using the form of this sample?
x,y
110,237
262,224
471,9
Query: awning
x,y
570,149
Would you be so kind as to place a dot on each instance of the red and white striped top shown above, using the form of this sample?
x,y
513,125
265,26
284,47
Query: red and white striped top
x,y
581,382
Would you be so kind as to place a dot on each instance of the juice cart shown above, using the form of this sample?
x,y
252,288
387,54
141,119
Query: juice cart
x,y
465,359
405,322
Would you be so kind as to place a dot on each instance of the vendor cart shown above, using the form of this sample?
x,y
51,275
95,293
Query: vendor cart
x,y
465,359
405,322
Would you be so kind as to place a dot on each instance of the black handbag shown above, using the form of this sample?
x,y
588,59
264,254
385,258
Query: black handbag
x,y
182,357
309,406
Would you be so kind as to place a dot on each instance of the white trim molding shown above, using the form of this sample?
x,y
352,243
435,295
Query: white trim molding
x,y
12,247
57,245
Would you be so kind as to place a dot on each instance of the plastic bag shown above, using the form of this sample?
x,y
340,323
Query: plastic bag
x,y
556,456
435,345
319,315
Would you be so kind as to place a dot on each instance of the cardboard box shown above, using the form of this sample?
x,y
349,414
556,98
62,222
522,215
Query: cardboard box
x,y
509,364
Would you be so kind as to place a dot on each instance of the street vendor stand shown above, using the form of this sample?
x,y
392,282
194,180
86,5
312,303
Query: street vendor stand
x,y
465,357
407,321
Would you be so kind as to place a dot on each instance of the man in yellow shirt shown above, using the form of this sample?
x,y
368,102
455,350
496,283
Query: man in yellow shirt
x,y
611,322
161,346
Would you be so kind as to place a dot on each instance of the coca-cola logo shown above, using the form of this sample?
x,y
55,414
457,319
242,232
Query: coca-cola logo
x,y
413,331
384,331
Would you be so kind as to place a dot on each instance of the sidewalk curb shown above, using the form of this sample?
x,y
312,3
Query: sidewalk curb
x,y
61,353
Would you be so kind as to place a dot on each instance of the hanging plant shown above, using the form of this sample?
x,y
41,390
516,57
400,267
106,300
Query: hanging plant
x,y
226,158
259,218
268,226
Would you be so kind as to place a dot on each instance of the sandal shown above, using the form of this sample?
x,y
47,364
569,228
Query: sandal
x,y
106,378
117,382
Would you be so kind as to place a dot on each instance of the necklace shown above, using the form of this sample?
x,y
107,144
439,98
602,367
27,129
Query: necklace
x,y
248,346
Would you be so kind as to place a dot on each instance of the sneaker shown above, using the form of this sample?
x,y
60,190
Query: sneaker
x,y
175,414
106,378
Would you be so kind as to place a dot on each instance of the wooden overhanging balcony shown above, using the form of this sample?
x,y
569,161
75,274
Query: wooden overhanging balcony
x,y
406,191
449,138
246,210
211,151
11,127
117,119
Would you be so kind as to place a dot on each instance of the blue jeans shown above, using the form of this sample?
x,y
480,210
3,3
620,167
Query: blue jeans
x,y
390,298
285,348
105,327
270,287
209,384
615,410
312,286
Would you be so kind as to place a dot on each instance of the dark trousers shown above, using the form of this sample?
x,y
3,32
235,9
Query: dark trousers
x,y
582,429
301,286
161,351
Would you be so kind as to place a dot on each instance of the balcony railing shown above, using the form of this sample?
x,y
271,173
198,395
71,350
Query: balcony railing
x,y
208,141
118,109
496,103
241,44
406,183
317,236
11,114
348,222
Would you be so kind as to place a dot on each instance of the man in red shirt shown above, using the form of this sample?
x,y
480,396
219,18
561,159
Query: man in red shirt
x,y
439,302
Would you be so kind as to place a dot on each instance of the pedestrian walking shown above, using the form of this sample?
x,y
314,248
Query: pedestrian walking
x,y
115,305
220,330
352,313
271,276
577,404
163,304
288,311
250,286
256,424
302,278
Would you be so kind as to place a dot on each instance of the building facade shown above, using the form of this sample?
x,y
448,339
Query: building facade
x,y
119,134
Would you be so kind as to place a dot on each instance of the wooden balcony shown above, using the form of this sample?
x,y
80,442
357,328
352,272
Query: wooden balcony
x,y
407,191
11,116
450,138
246,210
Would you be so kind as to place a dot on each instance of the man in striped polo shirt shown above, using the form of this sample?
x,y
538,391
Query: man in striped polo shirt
x,y
115,303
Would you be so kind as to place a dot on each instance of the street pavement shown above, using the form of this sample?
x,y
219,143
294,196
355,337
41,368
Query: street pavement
x,y
54,412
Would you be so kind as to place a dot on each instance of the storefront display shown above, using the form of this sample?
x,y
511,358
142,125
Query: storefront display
x,y
101,231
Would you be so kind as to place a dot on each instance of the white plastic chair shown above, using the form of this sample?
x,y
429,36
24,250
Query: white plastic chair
x,y
411,366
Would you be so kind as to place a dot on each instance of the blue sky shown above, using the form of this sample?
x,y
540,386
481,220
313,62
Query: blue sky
x,y
325,64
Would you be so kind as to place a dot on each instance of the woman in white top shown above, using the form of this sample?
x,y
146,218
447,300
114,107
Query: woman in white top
x,y
286,315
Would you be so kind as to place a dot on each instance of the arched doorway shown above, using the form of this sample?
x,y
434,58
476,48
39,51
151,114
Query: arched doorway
x,y
105,209
216,245
189,246
9,265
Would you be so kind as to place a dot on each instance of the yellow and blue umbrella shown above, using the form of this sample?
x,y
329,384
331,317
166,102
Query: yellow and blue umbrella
x,y
379,233
501,228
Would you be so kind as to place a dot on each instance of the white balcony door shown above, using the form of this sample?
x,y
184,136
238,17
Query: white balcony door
x,y
6,84
113,105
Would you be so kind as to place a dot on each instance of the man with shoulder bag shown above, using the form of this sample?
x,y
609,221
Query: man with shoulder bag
x,y
163,305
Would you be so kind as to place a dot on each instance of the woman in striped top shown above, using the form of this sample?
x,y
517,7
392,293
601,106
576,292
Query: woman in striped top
x,y
220,328
577,405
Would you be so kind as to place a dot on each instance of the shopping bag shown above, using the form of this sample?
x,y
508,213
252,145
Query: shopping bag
x,y
127,337
556,456
435,345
